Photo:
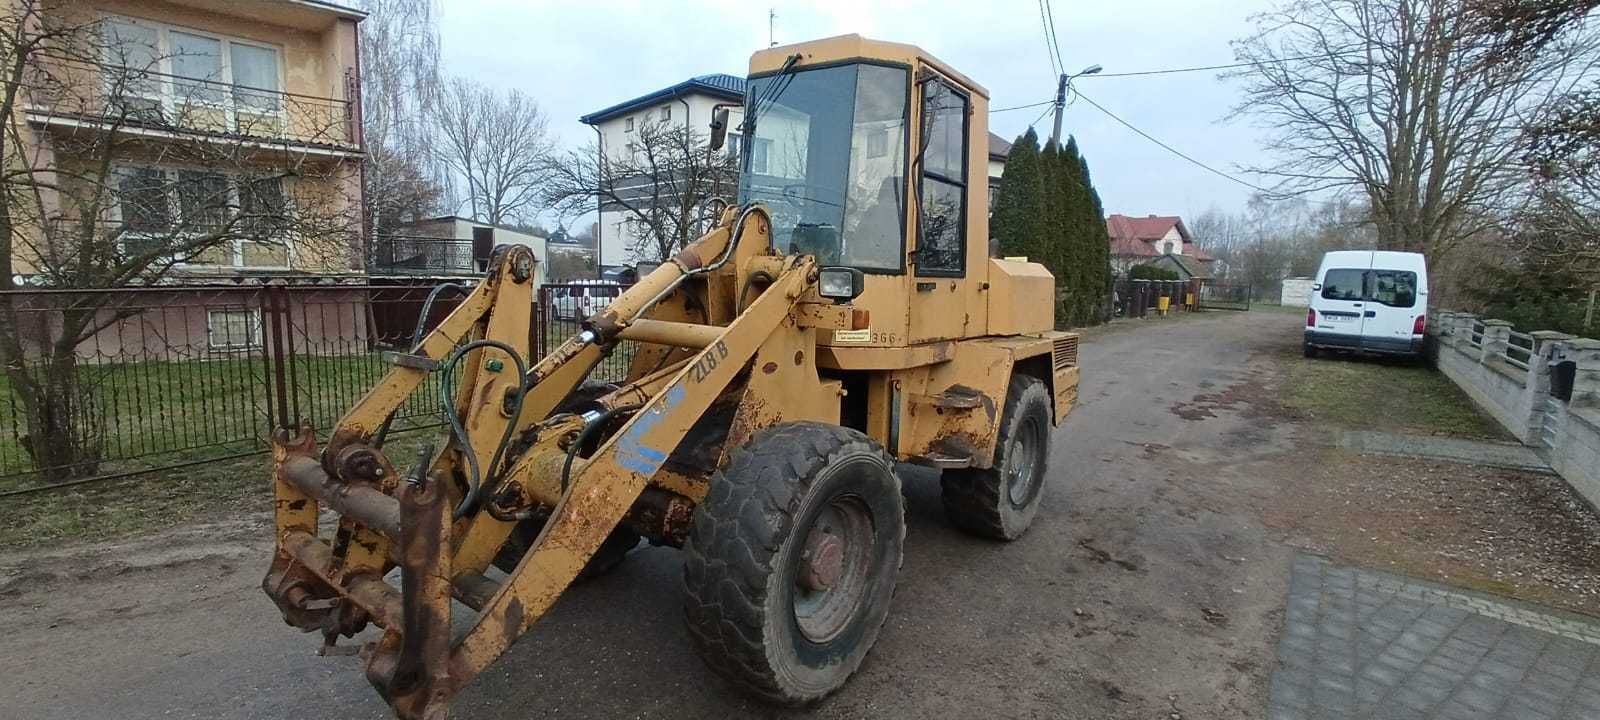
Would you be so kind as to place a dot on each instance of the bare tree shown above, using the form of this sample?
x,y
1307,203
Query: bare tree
x,y
663,182
497,143
1415,105
399,90
115,174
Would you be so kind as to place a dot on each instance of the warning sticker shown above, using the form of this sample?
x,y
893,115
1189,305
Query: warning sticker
x,y
852,336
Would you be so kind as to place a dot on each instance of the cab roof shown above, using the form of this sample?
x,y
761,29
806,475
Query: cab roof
x,y
854,47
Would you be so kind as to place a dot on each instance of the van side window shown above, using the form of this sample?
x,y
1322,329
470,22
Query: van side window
x,y
1343,284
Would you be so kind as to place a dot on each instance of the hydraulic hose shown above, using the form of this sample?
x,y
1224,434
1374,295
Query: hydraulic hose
x,y
475,475
416,340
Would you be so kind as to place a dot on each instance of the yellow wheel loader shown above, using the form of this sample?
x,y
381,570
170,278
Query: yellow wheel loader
x,y
843,316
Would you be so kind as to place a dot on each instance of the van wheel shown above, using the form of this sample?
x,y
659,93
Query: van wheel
x,y
1311,350
1000,501
792,558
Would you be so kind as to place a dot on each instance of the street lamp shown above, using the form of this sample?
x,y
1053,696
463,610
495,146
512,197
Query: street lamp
x,y
1061,98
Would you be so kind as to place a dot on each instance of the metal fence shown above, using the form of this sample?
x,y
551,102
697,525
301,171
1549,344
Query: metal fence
x,y
1138,298
1224,296
110,382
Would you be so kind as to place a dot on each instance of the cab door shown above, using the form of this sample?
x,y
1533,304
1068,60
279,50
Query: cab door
x,y
938,259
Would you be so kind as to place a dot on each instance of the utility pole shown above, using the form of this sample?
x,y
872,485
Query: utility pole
x,y
1061,104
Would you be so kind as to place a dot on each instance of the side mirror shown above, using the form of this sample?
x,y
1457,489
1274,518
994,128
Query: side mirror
x,y
1316,287
842,284
719,128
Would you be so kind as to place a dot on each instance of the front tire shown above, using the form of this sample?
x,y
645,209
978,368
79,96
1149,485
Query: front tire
x,y
1000,501
792,560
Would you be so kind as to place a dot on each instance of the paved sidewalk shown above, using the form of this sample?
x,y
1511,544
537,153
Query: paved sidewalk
x,y
1476,452
1365,644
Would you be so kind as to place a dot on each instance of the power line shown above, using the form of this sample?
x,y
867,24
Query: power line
x,y
1041,115
1021,107
1205,68
1170,148
1049,47
1050,14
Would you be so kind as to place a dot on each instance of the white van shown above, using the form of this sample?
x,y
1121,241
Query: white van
x,y
1369,301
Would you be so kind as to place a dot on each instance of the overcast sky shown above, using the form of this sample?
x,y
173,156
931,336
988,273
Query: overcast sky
x,y
576,58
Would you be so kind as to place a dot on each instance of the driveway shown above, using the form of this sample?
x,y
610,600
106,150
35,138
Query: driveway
x,y
1148,587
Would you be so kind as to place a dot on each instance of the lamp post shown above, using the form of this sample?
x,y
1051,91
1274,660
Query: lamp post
x,y
1061,98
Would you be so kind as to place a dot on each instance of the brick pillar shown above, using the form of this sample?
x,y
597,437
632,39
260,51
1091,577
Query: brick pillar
x,y
1496,334
1586,353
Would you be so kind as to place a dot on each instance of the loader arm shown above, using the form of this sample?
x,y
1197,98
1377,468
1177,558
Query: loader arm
x,y
425,523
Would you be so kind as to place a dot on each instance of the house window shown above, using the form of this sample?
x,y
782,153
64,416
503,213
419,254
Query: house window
x,y
759,149
877,144
666,113
232,329
169,69
166,209
629,127
1168,247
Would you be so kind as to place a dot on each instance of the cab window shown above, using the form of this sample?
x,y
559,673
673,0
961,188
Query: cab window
x,y
942,231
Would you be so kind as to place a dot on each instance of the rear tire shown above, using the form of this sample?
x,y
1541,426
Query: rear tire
x,y
1000,501
792,559
1310,350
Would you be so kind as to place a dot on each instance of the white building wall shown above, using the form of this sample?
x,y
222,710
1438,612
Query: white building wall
x,y
1171,243
1296,292
616,237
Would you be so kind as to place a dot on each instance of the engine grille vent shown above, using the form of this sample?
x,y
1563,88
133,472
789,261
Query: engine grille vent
x,y
1064,354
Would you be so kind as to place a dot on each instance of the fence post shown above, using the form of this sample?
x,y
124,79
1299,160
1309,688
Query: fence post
x,y
1545,343
1461,333
1496,336
1586,383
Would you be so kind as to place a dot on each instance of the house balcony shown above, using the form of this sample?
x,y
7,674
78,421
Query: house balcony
x,y
420,255
162,106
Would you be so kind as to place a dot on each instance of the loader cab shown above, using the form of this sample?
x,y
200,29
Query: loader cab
x,y
863,152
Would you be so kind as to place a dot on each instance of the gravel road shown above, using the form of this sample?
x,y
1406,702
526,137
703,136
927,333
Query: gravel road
x,y
1147,588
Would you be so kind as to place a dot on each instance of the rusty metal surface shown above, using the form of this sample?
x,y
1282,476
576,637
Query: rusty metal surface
x,y
364,503
412,674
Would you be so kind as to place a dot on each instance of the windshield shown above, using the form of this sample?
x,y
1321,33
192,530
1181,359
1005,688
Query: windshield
x,y
846,208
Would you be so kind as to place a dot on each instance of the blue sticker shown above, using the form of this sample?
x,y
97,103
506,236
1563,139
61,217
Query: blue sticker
x,y
631,451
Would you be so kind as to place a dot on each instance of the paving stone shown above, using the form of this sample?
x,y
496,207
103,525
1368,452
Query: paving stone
x,y
1366,644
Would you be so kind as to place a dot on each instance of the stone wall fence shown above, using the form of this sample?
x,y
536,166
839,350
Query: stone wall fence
x,y
1543,386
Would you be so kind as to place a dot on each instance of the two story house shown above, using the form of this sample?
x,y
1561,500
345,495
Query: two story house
x,y
207,142
1161,239
618,130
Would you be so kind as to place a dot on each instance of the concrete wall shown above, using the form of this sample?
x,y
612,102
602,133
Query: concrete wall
x,y
1296,292
1481,358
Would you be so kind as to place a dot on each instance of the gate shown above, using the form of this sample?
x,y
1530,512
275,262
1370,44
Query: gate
x,y
1224,296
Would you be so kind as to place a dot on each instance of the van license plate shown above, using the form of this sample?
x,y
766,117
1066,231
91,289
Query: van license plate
x,y
1337,318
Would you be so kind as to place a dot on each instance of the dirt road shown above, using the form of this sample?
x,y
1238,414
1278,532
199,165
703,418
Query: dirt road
x,y
1147,588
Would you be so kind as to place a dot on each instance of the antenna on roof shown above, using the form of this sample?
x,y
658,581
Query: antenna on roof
x,y
772,15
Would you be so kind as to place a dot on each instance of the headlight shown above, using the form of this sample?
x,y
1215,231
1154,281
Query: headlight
x,y
839,283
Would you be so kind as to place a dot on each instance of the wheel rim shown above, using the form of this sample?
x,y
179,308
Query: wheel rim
x,y
830,581
1024,458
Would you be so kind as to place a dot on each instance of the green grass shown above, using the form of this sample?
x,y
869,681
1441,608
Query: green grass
x,y
112,509
153,413
1382,394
